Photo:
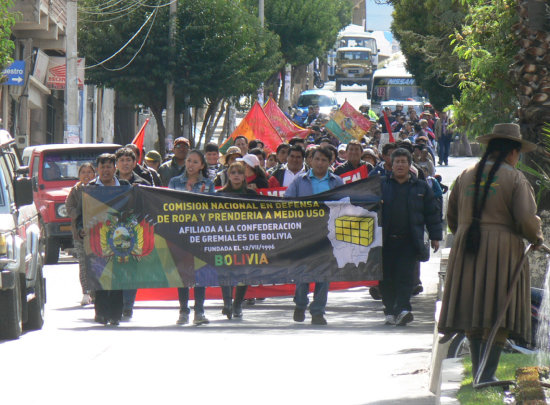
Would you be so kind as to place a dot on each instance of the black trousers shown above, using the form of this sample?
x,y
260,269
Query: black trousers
x,y
227,293
398,268
108,304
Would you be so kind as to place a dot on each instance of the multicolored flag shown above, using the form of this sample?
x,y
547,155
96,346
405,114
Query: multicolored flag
x,y
285,127
356,116
348,128
255,125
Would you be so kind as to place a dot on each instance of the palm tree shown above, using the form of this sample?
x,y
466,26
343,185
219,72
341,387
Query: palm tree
x,y
532,70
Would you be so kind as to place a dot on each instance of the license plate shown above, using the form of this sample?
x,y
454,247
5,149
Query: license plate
x,y
353,71
64,227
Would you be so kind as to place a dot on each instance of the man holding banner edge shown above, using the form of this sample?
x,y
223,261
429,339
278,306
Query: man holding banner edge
x,y
317,180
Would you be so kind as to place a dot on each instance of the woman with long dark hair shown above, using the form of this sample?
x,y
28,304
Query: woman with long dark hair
x,y
255,175
86,173
194,178
491,209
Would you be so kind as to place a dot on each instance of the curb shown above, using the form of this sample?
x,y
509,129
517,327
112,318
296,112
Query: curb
x,y
451,377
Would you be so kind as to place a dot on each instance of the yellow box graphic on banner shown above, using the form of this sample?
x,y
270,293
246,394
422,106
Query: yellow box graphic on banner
x,y
356,230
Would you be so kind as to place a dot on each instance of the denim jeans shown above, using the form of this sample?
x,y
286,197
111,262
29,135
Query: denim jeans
x,y
444,148
183,296
320,296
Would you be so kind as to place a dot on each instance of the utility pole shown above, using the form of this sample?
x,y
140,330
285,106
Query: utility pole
x,y
72,124
261,16
170,97
365,15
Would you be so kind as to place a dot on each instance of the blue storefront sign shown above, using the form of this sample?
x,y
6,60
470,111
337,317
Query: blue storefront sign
x,y
15,73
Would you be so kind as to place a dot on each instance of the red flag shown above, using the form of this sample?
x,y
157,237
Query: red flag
x,y
255,125
286,128
388,126
138,140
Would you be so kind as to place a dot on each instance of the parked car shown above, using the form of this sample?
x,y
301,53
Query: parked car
x,y
325,99
22,292
54,170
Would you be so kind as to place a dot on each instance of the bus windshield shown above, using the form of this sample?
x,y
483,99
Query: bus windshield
x,y
359,42
396,88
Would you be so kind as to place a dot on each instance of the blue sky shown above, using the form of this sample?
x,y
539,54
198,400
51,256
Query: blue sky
x,y
378,16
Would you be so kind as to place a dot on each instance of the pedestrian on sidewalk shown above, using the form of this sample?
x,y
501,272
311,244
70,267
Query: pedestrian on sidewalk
x,y
408,205
491,209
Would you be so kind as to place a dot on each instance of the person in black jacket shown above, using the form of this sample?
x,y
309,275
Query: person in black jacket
x,y
408,205
125,164
108,303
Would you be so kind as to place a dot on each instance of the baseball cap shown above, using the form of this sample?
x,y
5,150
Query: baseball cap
x,y
342,146
232,150
153,156
181,139
250,160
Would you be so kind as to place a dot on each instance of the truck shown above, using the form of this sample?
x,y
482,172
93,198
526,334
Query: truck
x,y
22,283
353,36
353,66
53,170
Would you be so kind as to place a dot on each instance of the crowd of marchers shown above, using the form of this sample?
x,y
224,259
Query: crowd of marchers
x,y
491,209
412,204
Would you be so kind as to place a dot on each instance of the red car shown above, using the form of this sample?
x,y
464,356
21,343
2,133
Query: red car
x,y
54,170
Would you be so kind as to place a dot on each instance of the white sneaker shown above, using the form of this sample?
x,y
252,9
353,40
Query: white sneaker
x,y
404,318
86,300
389,320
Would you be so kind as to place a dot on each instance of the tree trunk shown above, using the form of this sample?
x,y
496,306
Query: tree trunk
x,y
208,119
161,129
212,128
531,72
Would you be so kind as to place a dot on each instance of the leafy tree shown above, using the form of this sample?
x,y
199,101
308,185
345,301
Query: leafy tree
x,y
7,20
423,29
485,44
307,28
103,30
220,51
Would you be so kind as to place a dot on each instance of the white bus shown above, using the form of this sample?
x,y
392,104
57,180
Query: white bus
x,y
395,85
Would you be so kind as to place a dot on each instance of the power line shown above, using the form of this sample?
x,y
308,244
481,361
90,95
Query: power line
x,y
126,44
139,50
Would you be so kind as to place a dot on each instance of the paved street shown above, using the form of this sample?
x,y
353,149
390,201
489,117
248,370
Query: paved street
x,y
265,358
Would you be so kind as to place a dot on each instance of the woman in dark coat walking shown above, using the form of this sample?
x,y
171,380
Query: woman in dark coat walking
x,y
491,209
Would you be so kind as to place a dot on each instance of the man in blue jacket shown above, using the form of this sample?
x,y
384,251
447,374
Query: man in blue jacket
x,y
408,205
316,180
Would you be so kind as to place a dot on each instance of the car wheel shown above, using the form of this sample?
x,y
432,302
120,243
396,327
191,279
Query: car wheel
x,y
11,310
52,246
35,320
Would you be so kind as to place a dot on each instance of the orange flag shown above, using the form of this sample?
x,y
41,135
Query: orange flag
x,y
255,125
285,127
139,138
